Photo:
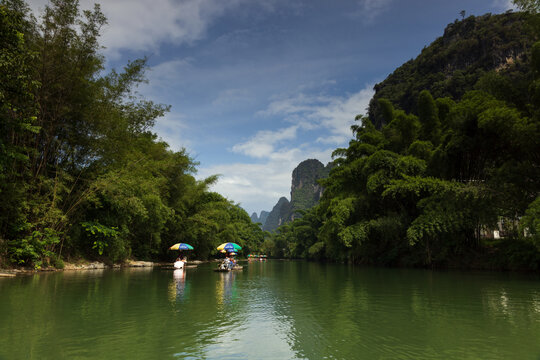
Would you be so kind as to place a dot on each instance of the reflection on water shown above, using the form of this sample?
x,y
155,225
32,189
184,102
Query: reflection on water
x,y
141,269
271,310
83,273
178,288
225,288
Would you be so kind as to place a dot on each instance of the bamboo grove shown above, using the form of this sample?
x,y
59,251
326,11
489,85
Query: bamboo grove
x,y
82,175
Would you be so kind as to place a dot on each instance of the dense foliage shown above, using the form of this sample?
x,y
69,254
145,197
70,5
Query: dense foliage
x,y
430,186
81,173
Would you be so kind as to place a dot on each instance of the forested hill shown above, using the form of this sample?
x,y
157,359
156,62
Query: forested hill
x,y
454,62
450,176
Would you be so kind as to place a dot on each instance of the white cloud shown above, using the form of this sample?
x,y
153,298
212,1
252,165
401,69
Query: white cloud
x,y
375,5
503,5
333,114
231,96
288,106
170,129
334,139
339,115
370,9
144,25
262,144
161,74
163,77
255,186
141,25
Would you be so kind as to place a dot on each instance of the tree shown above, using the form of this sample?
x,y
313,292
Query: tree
x,y
528,5
429,118
17,123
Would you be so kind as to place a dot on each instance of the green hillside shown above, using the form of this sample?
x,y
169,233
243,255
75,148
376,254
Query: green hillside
x,y
454,63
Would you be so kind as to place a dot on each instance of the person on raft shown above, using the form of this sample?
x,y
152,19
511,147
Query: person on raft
x,y
228,263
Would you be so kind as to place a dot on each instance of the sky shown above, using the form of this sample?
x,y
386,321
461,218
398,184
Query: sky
x,y
258,86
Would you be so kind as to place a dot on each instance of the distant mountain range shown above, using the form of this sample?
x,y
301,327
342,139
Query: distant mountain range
x,y
305,193
260,219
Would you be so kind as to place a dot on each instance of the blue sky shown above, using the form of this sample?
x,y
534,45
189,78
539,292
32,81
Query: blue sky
x,y
257,86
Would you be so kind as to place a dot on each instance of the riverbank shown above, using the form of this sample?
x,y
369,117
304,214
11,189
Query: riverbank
x,y
84,265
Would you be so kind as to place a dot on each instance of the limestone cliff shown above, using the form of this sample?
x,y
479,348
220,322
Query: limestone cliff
x,y
305,193
305,190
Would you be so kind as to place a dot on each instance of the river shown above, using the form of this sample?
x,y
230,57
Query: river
x,y
270,310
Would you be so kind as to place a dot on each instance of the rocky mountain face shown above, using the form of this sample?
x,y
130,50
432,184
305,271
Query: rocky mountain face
x,y
305,190
305,193
278,216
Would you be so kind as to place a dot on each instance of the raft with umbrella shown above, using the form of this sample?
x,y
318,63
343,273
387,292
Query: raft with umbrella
x,y
231,249
180,246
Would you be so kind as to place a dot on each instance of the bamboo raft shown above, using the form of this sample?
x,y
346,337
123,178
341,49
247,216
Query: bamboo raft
x,y
237,267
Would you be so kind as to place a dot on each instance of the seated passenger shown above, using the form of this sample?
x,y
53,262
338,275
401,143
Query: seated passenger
x,y
225,264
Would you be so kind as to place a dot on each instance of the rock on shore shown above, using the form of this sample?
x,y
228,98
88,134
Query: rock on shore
x,y
89,266
131,263
99,265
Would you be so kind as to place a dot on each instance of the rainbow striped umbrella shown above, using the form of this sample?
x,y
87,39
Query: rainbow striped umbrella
x,y
181,246
231,247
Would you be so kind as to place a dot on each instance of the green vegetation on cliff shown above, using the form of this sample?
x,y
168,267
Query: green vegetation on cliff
x,y
453,63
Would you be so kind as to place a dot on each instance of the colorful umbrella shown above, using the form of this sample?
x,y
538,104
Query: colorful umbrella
x,y
229,247
181,246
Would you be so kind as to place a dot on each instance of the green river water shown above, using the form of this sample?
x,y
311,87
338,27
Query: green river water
x,y
270,310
